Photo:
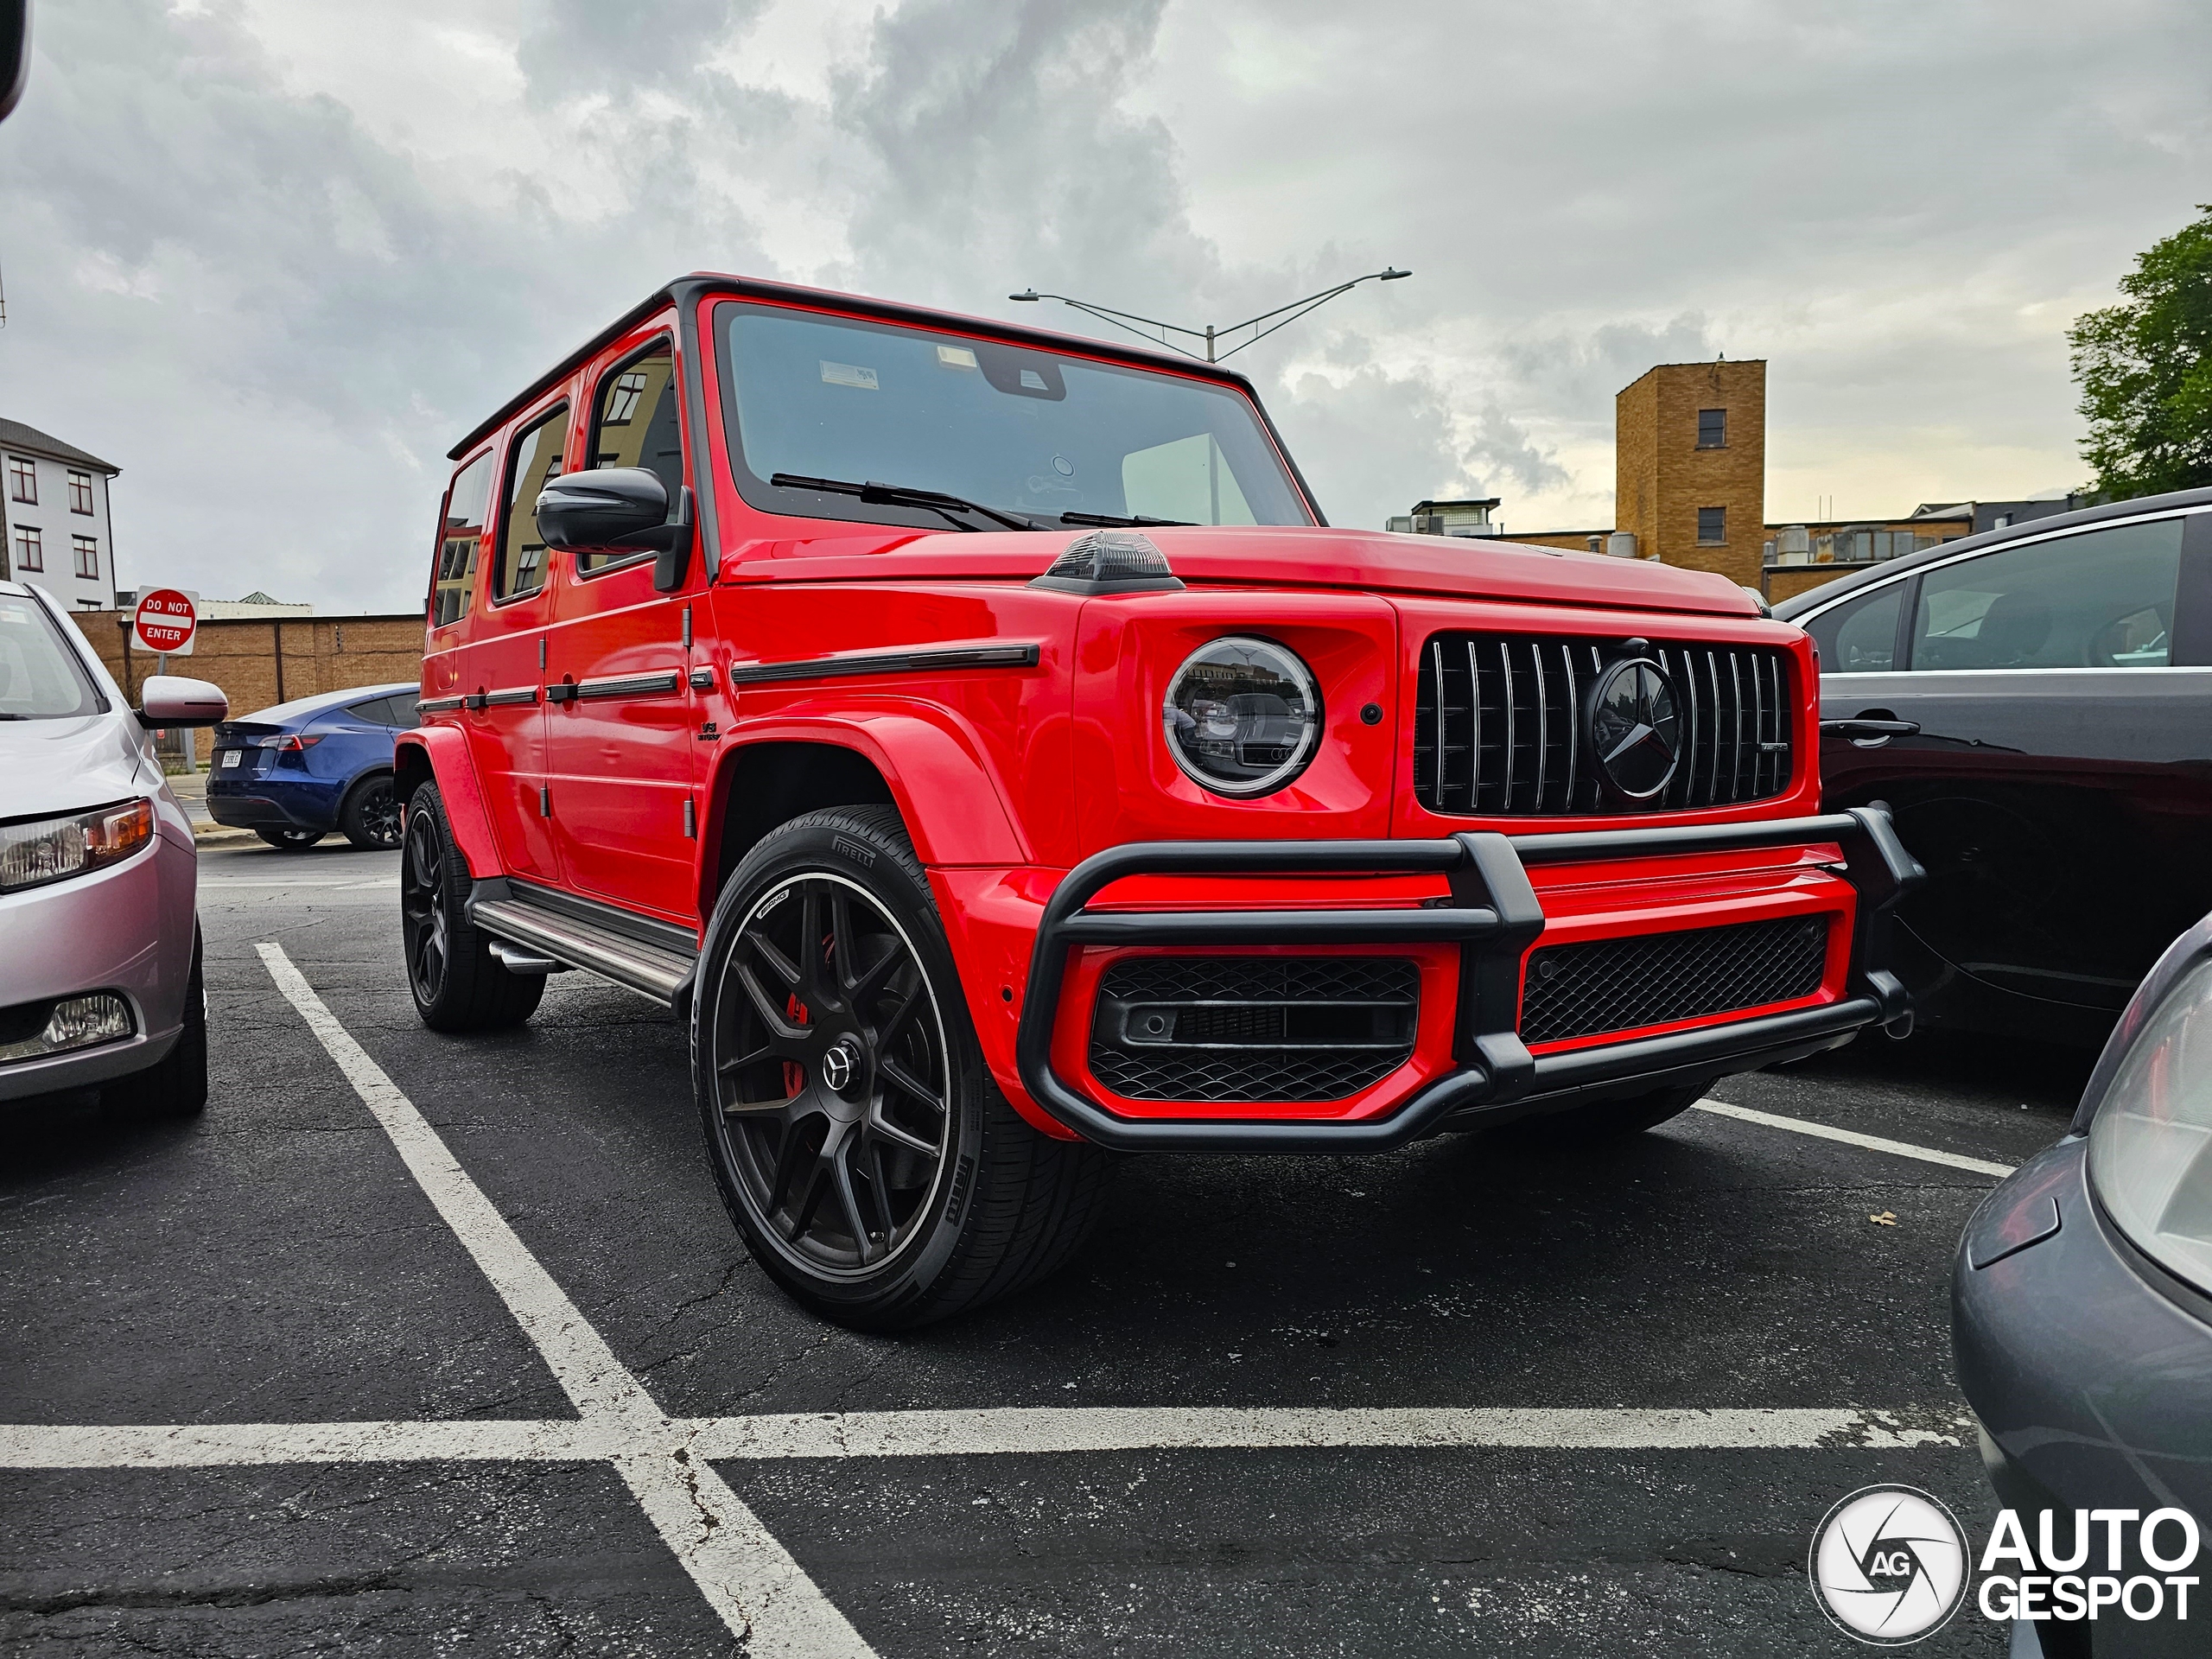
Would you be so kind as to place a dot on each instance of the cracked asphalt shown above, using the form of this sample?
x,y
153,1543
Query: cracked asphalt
x,y
274,1262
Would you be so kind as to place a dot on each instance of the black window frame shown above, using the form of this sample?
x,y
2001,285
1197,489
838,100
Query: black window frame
x,y
666,337
23,469
29,552
77,480
78,547
1722,442
508,505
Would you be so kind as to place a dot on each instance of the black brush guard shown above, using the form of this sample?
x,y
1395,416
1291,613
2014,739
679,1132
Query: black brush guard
x,y
1493,916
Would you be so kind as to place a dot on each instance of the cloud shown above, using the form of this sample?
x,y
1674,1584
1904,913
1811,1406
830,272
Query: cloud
x,y
273,259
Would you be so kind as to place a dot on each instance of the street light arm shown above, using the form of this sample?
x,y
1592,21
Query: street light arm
x,y
1386,275
1121,319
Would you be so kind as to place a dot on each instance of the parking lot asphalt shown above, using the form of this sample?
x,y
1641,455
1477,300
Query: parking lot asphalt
x,y
1467,1398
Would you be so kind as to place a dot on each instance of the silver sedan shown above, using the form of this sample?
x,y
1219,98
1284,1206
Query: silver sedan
x,y
99,947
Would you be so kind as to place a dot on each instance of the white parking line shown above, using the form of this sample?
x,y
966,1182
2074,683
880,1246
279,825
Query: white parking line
x,y
760,1592
749,1578
1853,1138
985,1432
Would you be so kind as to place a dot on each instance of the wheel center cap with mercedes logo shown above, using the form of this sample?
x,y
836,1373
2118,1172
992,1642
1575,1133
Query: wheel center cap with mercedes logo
x,y
1635,732
839,1062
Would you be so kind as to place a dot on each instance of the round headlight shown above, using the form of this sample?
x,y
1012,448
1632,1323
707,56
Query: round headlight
x,y
2151,1141
1242,716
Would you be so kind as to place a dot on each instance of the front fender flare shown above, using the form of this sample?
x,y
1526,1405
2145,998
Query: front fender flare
x,y
443,752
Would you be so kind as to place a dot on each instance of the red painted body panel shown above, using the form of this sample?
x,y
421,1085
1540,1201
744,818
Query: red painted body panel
x,y
445,751
1006,776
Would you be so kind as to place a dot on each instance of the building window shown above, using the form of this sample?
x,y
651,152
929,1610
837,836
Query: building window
x,y
30,552
88,556
80,492
1712,430
1711,525
23,481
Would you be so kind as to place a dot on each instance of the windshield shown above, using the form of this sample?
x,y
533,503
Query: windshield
x,y
1020,429
40,676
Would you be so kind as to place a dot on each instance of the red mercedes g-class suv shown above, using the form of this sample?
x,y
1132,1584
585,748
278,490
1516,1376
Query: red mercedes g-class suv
x,y
979,736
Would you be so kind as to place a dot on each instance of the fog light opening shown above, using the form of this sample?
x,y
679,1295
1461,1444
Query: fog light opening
x,y
73,1023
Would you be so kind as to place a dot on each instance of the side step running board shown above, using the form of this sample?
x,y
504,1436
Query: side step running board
x,y
662,975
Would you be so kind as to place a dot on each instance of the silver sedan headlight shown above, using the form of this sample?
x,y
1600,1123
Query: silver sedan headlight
x,y
54,849
1242,716
2151,1142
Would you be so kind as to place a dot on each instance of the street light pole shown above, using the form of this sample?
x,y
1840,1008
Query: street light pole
x,y
1281,317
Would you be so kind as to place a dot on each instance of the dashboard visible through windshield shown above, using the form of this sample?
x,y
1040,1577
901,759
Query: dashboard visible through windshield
x,y
1048,439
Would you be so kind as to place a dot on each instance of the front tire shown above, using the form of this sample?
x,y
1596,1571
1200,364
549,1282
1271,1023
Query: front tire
x,y
458,984
876,1172
370,818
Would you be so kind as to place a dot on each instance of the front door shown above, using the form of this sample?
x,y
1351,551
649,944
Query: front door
x,y
2060,788
622,725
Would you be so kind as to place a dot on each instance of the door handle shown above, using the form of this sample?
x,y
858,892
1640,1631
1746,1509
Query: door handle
x,y
1864,730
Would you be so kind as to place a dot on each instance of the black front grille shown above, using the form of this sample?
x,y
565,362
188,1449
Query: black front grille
x,y
1501,725
1581,990
1252,1028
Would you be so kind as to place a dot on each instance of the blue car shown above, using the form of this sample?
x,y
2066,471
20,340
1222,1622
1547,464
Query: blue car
x,y
294,773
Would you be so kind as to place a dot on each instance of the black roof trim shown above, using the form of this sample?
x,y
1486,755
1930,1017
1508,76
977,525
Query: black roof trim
x,y
1867,575
754,288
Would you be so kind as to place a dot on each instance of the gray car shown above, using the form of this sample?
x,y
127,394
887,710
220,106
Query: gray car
x,y
2082,1303
99,947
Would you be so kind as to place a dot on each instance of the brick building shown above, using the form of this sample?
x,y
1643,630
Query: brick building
x,y
261,662
1689,466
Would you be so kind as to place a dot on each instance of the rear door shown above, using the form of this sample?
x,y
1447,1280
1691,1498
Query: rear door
x,y
2060,789
622,736
504,663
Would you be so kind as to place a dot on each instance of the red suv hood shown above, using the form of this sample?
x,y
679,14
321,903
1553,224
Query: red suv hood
x,y
1267,557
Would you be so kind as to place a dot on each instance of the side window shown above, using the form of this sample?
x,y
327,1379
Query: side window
x,y
634,423
535,459
459,536
2098,598
375,712
1861,635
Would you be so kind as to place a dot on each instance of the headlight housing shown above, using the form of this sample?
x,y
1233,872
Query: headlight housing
x,y
1242,716
54,849
2151,1141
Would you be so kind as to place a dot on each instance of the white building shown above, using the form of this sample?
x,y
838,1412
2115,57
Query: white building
x,y
58,537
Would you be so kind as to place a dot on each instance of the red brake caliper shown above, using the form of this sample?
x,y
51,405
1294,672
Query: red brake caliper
x,y
794,1073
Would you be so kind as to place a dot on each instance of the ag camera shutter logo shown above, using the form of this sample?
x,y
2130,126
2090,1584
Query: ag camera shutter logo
x,y
1889,1564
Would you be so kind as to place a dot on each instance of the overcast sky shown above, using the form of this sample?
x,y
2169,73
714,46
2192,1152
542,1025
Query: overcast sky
x,y
273,258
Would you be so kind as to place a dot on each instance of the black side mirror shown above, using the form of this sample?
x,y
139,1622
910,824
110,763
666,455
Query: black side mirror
x,y
619,507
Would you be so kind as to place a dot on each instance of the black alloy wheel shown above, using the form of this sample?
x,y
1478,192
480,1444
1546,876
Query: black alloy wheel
x,y
425,921
834,1092
457,983
858,1138
370,815
290,841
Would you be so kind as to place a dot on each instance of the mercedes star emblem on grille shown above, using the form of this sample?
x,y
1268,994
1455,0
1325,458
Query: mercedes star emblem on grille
x,y
1634,730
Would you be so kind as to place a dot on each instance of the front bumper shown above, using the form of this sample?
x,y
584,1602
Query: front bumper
x,y
128,930
1493,917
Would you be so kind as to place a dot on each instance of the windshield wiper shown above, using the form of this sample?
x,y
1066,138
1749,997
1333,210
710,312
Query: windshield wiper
x,y
1111,521
903,495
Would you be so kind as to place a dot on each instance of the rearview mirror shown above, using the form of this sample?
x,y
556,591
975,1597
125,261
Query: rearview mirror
x,y
619,507
168,701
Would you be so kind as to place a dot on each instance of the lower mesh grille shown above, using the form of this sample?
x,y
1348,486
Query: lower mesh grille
x,y
1581,990
1252,1028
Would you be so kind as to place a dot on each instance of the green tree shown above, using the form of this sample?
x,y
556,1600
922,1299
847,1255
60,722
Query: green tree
x,y
2145,369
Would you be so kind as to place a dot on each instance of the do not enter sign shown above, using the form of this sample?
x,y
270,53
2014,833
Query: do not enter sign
x,y
166,621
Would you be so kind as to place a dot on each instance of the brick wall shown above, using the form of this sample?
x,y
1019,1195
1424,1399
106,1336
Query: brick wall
x,y
1663,478
319,654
